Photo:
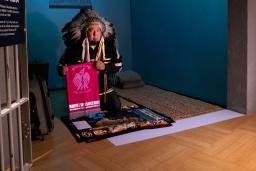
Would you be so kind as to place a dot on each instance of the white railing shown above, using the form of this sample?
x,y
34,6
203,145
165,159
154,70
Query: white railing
x,y
11,111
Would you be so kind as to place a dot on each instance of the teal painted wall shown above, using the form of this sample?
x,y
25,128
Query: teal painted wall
x,y
178,45
44,32
181,45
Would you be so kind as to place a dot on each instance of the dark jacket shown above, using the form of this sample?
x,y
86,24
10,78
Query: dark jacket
x,y
112,61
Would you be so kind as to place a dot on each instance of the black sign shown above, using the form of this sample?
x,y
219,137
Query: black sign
x,y
70,4
11,22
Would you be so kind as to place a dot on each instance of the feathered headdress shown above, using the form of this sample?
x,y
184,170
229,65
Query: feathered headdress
x,y
75,30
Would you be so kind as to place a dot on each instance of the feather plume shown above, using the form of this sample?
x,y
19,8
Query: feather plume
x,y
74,31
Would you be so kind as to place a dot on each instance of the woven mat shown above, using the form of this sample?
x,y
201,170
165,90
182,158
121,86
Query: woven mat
x,y
165,102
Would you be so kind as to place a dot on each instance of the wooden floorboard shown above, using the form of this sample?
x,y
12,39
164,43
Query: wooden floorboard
x,y
225,146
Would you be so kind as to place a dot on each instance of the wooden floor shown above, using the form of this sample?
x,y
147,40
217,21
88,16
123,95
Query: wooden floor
x,y
225,146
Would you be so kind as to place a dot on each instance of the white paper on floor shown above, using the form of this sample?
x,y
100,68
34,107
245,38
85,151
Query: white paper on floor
x,y
179,125
81,125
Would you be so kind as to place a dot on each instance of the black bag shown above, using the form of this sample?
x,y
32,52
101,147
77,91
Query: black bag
x,y
47,104
38,87
36,133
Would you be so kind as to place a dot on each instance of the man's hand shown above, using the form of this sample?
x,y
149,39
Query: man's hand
x,y
100,65
64,69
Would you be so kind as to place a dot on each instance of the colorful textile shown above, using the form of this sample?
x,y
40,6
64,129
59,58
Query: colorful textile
x,y
82,88
104,125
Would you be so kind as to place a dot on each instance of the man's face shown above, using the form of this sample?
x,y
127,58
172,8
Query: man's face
x,y
94,33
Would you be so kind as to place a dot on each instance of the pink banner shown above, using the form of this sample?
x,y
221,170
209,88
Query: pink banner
x,y
82,87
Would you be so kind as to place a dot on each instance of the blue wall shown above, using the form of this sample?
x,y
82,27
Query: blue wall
x,y
44,32
181,45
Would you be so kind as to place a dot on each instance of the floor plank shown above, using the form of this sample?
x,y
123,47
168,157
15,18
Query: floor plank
x,y
228,145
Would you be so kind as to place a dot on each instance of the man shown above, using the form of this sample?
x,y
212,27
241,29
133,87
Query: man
x,y
90,37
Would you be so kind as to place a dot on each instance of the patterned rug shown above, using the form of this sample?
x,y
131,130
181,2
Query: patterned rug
x,y
165,102
103,125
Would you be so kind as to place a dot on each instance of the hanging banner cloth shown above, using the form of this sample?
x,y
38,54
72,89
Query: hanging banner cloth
x,y
82,88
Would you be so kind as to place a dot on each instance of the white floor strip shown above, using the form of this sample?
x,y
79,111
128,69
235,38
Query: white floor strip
x,y
179,125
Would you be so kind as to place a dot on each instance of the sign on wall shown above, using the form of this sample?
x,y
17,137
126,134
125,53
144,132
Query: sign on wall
x,y
11,22
70,4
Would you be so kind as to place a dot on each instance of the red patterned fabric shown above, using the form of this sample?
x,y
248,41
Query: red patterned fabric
x,y
82,88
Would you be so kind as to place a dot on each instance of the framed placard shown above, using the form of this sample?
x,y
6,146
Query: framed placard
x,y
11,22
70,4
